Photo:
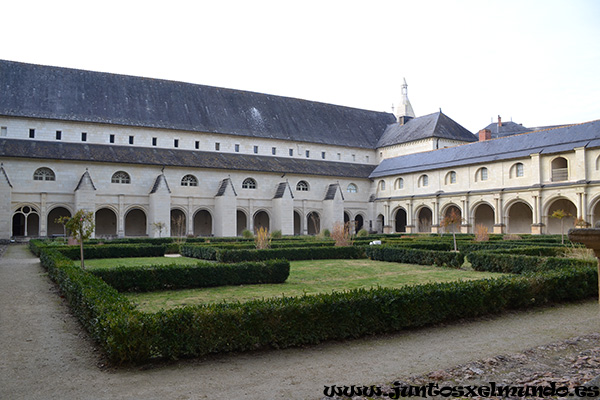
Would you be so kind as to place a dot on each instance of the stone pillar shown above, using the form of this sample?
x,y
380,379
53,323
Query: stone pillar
x,y
190,217
85,195
121,217
498,224
225,217
160,208
5,205
43,214
283,209
333,208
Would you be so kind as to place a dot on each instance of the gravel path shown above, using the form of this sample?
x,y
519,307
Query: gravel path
x,y
45,354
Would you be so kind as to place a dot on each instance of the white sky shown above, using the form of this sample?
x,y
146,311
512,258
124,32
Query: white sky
x,y
535,62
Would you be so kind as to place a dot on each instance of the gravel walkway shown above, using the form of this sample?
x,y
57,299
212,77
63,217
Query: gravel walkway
x,y
45,354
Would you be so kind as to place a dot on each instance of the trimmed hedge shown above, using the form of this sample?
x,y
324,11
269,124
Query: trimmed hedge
x,y
114,251
311,253
415,256
172,277
518,264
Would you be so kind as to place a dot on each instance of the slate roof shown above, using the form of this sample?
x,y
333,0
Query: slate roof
x,y
510,147
160,178
436,125
331,191
507,129
37,91
177,158
85,177
280,191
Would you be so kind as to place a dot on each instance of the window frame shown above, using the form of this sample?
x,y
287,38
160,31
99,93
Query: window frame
x,y
302,186
121,178
189,180
249,183
44,174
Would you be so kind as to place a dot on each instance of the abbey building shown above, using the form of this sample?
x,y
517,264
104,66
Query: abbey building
x,y
160,158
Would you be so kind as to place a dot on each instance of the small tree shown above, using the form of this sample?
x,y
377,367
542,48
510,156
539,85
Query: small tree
x,y
452,219
481,233
63,221
81,225
342,234
561,215
159,226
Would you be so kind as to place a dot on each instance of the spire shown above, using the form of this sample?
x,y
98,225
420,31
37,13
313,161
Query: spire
x,y
404,111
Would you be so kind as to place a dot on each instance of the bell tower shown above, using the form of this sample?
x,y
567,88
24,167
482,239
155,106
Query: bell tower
x,y
404,111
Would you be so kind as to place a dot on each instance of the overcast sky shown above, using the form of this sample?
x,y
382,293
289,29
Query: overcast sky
x,y
535,62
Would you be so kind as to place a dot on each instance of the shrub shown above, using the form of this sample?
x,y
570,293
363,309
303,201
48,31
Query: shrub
x,y
173,277
314,253
247,234
342,234
262,239
276,234
326,233
511,236
114,251
362,233
414,256
518,264
481,233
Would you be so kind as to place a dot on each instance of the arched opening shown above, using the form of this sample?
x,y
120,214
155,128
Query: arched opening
x,y
26,222
135,223
401,219
452,219
261,220
56,228
554,224
178,223
596,215
359,222
520,218
424,220
313,223
380,223
297,223
106,223
203,223
560,169
348,221
484,215
241,222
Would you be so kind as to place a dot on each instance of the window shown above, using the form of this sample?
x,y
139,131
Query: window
x,y
291,152
84,136
217,146
481,174
353,157
130,139
560,169
237,148
3,131
197,144
44,174
367,158
120,177
189,180
32,133
423,181
249,183
450,178
274,150
175,142
111,138
399,184
302,186
154,141
307,153
323,155
58,135
339,156
517,170
255,149
352,188
381,185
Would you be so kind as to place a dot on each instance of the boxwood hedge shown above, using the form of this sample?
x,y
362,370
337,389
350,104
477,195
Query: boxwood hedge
x,y
415,256
172,277
239,255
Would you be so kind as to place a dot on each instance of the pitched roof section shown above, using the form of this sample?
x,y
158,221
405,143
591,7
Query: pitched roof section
x,y
436,125
37,91
160,184
223,187
177,158
85,180
332,190
507,129
510,147
280,191
5,175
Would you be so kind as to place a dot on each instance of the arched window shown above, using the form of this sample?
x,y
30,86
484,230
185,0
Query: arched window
x,y
249,183
189,180
399,184
382,185
560,169
423,181
352,188
517,170
481,174
451,178
302,186
44,174
120,177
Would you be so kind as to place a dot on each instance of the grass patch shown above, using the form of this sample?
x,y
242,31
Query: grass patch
x,y
312,277
105,263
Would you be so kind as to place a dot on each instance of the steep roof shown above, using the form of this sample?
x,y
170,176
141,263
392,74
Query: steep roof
x,y
508,128
177,158
505,148
37,91
436,125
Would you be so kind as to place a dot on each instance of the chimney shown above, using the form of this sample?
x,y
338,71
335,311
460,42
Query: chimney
x,y
485,134
499,122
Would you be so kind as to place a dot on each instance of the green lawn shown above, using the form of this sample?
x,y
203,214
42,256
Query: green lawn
x,y
102,263
311,277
